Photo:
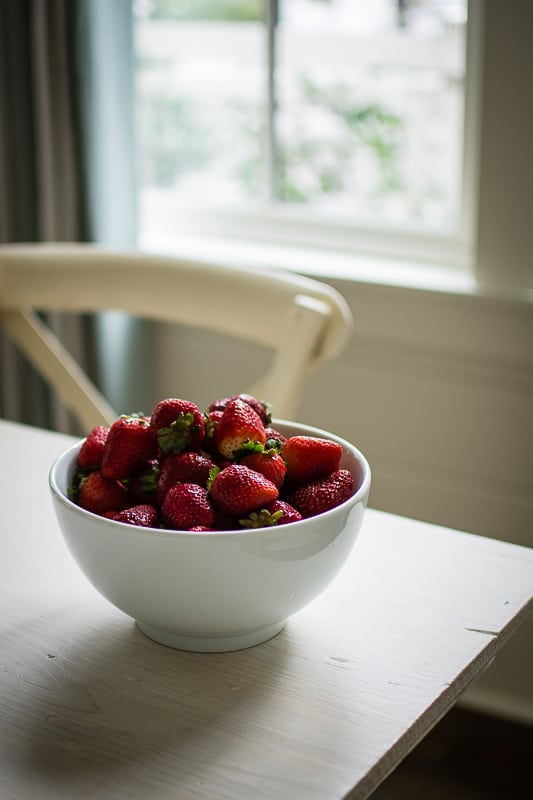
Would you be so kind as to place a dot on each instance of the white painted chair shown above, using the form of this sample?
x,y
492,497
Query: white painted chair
x,y
303,321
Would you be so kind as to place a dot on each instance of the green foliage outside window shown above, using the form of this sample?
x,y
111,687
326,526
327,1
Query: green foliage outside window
x,y
181,145
363,126
242,10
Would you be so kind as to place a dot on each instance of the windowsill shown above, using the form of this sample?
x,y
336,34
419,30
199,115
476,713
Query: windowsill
x,y
331,265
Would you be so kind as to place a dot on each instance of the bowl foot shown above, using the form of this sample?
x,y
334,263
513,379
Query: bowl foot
x,y
211,644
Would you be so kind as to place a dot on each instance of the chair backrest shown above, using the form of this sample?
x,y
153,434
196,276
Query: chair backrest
x,y
303,321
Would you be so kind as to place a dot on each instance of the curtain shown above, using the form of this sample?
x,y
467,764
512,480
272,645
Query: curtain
x,y
67,173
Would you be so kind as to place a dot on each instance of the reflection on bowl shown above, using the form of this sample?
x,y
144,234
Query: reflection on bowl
x,y
212,591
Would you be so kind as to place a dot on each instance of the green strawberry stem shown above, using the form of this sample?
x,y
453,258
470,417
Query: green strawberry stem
x,y
175,438
213,472
261,519
147,480
250,446
78,479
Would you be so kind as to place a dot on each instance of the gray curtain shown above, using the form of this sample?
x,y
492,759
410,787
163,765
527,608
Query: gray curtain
x,y
67,173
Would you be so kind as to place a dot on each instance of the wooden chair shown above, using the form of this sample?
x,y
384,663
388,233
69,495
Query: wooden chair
x,y
303,321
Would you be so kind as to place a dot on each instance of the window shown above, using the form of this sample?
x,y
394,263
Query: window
x,y
337,123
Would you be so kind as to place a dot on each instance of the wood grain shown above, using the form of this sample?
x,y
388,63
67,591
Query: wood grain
x,y
91,708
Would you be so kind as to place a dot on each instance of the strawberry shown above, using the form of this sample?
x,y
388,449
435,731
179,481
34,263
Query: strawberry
x,y
226,522
288,512
309,458
91,451
100,494
221,470
238,423
179,425
186,467
218,405
276,513
186,506
274,437
130,444
260,408
238,490
268,462
321,495
144,516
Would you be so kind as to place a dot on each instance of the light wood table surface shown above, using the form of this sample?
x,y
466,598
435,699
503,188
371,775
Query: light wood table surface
x,y
91,708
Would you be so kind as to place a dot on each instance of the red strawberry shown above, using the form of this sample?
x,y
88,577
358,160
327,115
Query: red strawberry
x,y
238,423
321,495
309,458
144,516
260,408
274,437
219,404
288,512
130,444
100,494
179,425
187,467
90,455
238,490
277,513
186,505
225,522
268,462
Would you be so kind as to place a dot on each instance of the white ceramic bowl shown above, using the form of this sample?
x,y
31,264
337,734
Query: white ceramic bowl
x,y
212,591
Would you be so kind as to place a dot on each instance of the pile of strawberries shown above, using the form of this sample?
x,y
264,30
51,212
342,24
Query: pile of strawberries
x,y
223,469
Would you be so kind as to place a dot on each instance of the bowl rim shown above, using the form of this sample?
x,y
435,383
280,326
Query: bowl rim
x,y
304,429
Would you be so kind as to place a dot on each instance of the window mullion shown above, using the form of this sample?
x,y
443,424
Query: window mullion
x,y
271,160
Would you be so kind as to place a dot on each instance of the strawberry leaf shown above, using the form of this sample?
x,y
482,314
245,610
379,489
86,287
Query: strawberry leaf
x,y
213,472
273,446
148,480
247,447
261,519
268,414
176,436
270,447
78,479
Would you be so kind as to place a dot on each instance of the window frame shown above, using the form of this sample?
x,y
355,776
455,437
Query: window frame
x,y
302,230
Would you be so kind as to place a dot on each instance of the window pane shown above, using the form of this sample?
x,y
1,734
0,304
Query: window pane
x,y
200,85
354,115
370,109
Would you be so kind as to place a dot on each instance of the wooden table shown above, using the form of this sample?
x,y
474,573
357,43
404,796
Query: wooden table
x,y
91,708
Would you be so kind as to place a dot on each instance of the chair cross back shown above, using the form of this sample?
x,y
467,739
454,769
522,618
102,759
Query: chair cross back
x,y
303,321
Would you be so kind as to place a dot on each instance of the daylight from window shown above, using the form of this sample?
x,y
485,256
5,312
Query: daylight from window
x,y
342,111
